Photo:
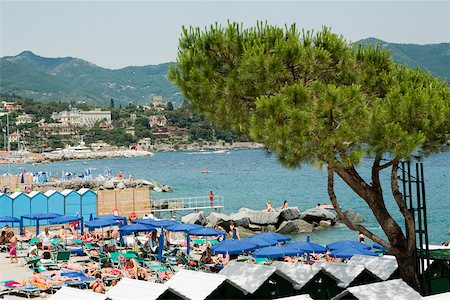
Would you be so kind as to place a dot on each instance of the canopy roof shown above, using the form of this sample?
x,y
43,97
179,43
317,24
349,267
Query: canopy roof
x,y
391,289
440,254
99,223
247,277
272,236
128,229
299,274
442,296
68,293
157,223
345,273
276,251
206,232
349,252
183,227
297,297
308,247
381,266
261,243
41,216
141,290
7,219
65,219
233,247
194,284
345,244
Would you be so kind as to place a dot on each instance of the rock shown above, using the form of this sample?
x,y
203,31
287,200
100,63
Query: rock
x,y
121,185
353,216
325,223
254,227
194,218
166,188
259,217
215,218
316,214
240,218
157,189
290,213
268,228
244,232
108,184
295,226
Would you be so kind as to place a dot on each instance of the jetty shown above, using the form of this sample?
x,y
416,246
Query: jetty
x,y
185,204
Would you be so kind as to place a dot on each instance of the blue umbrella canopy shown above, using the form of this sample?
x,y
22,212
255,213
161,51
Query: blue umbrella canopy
x,y
349,252
64,219
99,223
261,243
347,244
233,247
272,236
275,252
307,247
183,227
157,223
127,229
41,216
206,232
112,217
6,219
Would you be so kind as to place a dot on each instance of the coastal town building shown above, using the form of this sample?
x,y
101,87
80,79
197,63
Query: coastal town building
x,y
144,144
157,101
24,119
14,137
11,106
130,130
55,128
101,145
159,121
83,118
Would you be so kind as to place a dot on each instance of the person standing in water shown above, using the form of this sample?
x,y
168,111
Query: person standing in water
x,y
211,198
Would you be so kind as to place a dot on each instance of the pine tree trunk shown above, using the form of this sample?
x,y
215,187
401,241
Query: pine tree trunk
x,y
407,269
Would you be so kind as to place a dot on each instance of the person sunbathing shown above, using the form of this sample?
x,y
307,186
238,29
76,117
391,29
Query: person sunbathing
x,y
71,266
290,259
38,278
97,285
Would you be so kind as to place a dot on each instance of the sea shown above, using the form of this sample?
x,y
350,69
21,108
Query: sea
x,y
248,178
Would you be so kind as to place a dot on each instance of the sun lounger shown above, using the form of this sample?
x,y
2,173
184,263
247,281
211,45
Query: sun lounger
x,y
62,256
11,286
79,279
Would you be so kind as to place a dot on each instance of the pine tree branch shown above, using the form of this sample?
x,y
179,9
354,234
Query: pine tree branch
x,y
343,217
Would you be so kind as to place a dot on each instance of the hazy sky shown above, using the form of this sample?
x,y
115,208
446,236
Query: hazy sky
x,y
115,34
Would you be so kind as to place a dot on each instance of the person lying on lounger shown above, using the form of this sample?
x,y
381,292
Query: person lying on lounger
x,y
97,285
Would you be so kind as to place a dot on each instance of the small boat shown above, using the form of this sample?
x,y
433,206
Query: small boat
x,y
206,170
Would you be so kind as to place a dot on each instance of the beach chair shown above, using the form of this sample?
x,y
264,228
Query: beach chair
x,y
62,256
14,287
79,279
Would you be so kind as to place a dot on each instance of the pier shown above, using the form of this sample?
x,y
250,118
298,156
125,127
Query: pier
x,y
186,204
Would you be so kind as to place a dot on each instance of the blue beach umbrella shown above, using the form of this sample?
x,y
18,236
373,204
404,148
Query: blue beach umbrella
x,y
157,223
100,223
276,252
272,236
183,227
261,243
233,247
127,229
7,219
65,219
349,252
347,244
206,232
307,247
123,220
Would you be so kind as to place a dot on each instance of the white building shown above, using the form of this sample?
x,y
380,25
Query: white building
x,y
83,118
24,119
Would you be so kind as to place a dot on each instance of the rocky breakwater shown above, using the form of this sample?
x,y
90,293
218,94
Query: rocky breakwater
x,y
77,155
285,221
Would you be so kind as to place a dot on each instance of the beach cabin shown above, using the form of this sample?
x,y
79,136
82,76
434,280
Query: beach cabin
x,y
348,275
55,202
88,202
67,293
390,289
144,290
308,279
39,202
255,281
72,202
6,205
437,275
384,267
21,206
187,284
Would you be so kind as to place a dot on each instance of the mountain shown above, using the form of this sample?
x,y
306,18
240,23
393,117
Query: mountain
x,y
434,57
73,79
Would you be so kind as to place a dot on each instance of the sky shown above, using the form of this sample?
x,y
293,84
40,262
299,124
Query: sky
x,y
115,34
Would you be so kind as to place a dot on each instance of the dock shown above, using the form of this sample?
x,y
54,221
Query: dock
x,y
186,204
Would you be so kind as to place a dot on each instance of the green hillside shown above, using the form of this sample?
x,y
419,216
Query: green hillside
x,y
433,57
73,79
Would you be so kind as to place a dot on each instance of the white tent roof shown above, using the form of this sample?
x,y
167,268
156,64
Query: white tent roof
x,y
298,273
82,191
345,273
247,277
442,296
297,297
68,293
50,192
392,289
383,267
193,284
136,289
67,192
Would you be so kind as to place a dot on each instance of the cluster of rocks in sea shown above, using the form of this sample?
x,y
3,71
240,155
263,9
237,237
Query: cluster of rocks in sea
x,y
284,221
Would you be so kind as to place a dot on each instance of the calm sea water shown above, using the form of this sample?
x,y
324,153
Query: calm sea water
x,y
250,177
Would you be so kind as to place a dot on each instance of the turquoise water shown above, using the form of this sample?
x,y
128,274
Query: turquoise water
x,y
250,177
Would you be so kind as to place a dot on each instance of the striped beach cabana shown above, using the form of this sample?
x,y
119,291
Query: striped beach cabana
x,y
256,281
72,201
384,267
391,289
188,284
21,206
39,202
144,290
348,275
308,279
88,202
55,202
6,205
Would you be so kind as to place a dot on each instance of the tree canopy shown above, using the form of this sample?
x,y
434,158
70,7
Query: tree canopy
x,y
314,97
